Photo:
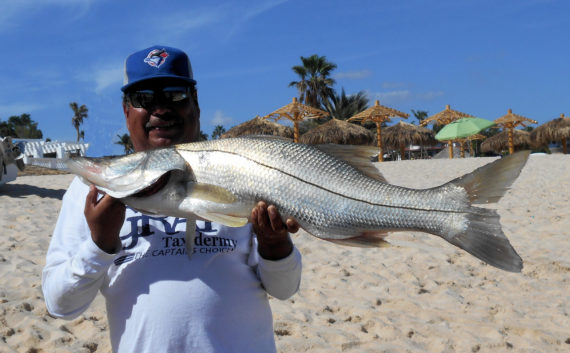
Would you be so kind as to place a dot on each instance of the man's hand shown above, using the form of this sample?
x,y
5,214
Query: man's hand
x,y
105,218
273,238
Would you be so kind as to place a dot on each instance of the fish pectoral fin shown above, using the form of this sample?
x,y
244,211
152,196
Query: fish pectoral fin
x,y
209,192
364,240
227,220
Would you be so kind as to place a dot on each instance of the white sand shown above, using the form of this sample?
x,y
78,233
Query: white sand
x,y
420,295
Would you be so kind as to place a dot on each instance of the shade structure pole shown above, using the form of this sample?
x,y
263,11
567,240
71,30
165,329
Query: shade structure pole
x,y
471,149
296,131
379,135
564,148
402,151
461,150
511,143
450,143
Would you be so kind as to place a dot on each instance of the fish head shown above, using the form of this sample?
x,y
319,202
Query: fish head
x,y
130,174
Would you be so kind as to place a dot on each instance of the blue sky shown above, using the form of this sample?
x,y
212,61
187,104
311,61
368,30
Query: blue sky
x,y
481,57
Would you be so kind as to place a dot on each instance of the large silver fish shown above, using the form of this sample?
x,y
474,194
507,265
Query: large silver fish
x,y
334,192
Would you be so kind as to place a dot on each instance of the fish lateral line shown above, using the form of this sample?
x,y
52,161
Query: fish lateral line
x,y
332,191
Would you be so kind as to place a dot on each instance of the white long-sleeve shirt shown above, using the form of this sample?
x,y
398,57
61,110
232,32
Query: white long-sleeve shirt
x,y
158,298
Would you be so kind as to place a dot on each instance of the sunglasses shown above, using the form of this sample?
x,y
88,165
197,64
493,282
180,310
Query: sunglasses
x,y
148,98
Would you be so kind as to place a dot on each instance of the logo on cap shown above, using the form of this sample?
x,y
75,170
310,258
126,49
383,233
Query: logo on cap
x,y
156,57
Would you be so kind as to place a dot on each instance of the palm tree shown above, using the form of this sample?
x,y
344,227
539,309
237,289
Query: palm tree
x,y
343,107
79,113
420,115
125,141
202,136
218,131
315,85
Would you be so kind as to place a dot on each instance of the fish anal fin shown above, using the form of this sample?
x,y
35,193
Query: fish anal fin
x,y
356,156
209,192
227,220
364,240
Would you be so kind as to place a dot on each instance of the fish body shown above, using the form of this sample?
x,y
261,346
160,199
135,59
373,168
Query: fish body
x,y
333,192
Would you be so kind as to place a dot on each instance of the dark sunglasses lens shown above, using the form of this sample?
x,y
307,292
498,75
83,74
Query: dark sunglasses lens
x,y
146,98
175,94
141,99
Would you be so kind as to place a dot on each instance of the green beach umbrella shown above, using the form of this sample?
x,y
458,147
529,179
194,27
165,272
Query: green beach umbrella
x,y
463,127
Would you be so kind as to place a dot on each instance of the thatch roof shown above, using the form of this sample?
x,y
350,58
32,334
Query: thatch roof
x,y
296,111
338,132
403,134
259,126
377,113
445,116
499,142
554,130
512,120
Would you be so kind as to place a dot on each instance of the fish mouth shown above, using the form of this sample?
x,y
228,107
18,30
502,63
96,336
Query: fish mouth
x,y
154,188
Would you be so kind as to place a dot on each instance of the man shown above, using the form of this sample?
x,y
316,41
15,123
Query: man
x,y
159,299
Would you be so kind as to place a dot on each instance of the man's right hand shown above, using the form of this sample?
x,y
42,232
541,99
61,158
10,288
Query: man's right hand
x,y
105,218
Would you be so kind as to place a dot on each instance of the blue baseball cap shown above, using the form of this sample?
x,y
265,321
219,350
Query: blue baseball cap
x,y
155,62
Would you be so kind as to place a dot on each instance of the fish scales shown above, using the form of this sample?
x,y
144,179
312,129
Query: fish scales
x,y
336,199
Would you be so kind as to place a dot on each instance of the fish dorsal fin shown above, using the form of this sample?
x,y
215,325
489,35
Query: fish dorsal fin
x,y
227,220
209,192
356,156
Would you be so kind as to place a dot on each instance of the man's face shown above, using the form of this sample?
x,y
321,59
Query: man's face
x,y
165,120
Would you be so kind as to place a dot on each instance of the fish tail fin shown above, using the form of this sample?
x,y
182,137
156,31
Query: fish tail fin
x,y
481,234
484,239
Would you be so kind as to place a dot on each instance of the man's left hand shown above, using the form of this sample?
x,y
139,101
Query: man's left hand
x,y
274,242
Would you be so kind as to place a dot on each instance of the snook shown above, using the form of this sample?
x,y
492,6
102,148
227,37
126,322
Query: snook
x,y
334,192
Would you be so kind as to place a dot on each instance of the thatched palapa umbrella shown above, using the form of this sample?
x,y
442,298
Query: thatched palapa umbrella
x,y
259,126
339,132
378,114
296,112
499,142
403,134
444,117
511,120
554,130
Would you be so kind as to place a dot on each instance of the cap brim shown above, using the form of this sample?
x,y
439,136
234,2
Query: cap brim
x,y
182,79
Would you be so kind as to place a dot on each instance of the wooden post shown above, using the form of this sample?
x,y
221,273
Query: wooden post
x,y
450,143
461,150
511,142
564,148
379,135
296,131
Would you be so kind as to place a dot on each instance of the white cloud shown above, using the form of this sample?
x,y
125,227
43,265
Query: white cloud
x,y
392,96
429,95
220,118
107,77
261,8
10,10
353,75
404,95
393,85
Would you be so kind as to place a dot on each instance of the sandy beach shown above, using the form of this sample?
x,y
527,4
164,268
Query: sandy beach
x,y
419,295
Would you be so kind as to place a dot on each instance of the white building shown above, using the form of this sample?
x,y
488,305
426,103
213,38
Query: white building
x,y
48,154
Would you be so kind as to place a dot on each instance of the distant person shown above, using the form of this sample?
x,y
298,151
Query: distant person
x,y
159,299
